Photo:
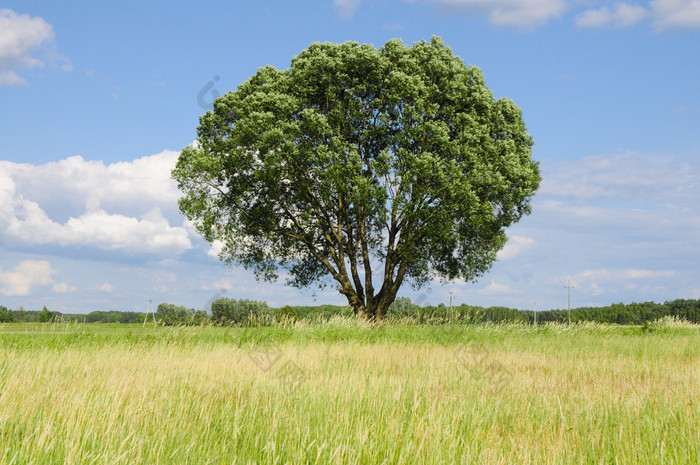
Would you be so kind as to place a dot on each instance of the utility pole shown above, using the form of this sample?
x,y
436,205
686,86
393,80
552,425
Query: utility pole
x,y
150,310
451,310
569,287
534,308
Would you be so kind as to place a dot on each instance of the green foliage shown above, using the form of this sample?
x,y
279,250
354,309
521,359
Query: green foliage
x,y
172,315
624,314
402,307
686,309
354,156
6,315
46,316
250,312
229,311
200,317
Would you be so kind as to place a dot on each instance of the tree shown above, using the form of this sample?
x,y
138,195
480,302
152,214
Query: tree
x,y
46,316
356,160
402,307
6,315
170,314
237,312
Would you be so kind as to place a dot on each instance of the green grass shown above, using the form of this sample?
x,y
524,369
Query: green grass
x,y
343,392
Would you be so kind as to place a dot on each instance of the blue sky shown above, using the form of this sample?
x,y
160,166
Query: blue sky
x,y
97,98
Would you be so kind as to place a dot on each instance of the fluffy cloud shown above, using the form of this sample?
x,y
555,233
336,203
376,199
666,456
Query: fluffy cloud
x,y
514,246
63,288
76,184
664,14
518,13
26,276
216,248
23,40
672,14
74,202
622,15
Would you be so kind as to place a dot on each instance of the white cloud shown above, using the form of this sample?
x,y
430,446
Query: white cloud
x,y
638,208
614,281
663,14
108,288
217,284
25,277
110,207
622,15
496,288
514,246
10,78
100,229
25,43
216,248
88,184
645,179
346,8
518,13
623,227
63,288
20,37
163,281
674,14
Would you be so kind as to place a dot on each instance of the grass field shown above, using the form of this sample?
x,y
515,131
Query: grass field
x,y
343,392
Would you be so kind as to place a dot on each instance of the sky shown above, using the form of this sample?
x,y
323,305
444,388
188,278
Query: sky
x,y
98,98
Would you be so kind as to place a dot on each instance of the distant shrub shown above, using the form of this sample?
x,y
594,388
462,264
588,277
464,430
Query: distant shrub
x,y
227,311
402,307
172,315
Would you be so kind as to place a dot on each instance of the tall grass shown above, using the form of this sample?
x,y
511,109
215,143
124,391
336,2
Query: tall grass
x,y
357,393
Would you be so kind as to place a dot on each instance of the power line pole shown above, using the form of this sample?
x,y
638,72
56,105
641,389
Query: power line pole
x,y
451,310
150,310
534,309
569,287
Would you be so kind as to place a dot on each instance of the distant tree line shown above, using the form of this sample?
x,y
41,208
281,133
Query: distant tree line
x,y
244,312
624,314
21,315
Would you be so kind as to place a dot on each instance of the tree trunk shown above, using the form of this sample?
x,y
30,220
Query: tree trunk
x,y
383,307
373,313
361,313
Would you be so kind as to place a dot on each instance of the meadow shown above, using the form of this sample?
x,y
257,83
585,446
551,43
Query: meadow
x,y
350,393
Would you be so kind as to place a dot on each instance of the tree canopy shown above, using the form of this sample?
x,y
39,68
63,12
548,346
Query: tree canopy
x,y
361,166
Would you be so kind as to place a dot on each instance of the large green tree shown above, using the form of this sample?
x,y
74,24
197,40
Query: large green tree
x,y
363,167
